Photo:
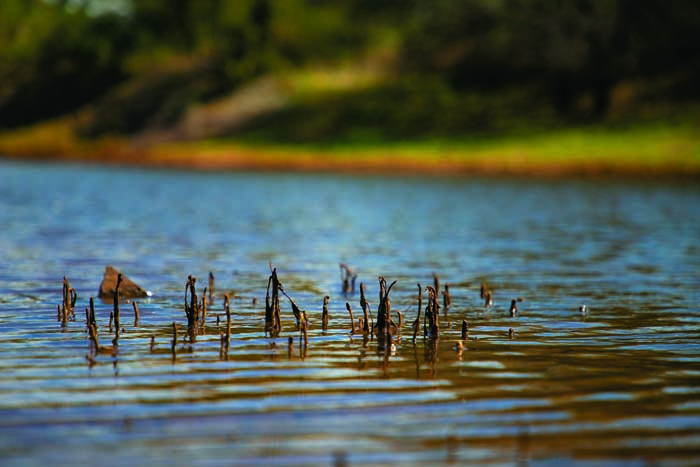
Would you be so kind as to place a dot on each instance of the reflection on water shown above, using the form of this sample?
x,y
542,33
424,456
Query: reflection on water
x,y
615,385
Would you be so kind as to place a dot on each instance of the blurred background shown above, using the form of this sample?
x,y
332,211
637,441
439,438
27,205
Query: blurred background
x,y
295,71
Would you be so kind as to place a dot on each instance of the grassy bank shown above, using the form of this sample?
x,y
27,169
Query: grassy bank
x,y
640,149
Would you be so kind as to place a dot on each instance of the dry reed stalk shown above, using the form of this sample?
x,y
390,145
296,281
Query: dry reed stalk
x,y
431,312
111,320
384,321
137,314
211,287
191,308
269,314
92,319
465,330
228,329
298,314
93,337
273,320
70,296
416,322
92,329
446,298
513,308
305,329
352,320
436,284
116,302
324,315
203,317
365,310
348,278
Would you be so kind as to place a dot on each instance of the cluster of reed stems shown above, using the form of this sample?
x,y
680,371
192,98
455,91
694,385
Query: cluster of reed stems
x,y
385,329
66,309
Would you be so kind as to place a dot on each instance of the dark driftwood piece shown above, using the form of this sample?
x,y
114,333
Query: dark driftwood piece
x,y
128,289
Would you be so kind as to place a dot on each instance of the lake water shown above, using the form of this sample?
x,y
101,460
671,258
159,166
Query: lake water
x,y
618,385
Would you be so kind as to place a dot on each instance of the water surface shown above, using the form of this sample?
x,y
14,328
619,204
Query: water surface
x,y
617,385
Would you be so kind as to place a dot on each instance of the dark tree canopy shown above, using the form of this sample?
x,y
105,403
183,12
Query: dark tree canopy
x,y
59,55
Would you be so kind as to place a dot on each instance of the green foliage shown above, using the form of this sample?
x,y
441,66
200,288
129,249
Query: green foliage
x,y
55,60
449,66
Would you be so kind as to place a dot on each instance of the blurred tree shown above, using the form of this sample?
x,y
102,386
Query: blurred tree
x,y
569,49
55,59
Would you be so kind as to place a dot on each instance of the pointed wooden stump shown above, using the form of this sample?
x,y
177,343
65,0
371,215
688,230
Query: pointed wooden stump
x,y
127,289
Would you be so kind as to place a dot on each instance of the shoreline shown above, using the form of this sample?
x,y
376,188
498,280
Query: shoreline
x,y
256,161
643,154
562,171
